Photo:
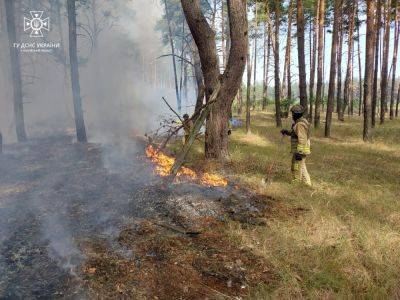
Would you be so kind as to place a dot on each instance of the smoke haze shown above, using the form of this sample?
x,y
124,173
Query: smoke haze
x,y
121,79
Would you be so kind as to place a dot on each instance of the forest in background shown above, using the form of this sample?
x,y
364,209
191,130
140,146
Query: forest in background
x,y
92,135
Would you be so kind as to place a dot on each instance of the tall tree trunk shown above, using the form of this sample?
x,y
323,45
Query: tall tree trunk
x,y
198,74
301,56
223,45
267,52
339,100
171,41
385,62
398,102
351,92
332,72
314,35
214,16
369,67
255,54
394,61
323,72
73,58
289,60
16,71
320,75
240,100
248,94
182,54
360,93
227,84
376,63
276,59
350,53
286,80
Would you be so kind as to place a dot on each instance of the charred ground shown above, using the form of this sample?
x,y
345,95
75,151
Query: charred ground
x,y
92,220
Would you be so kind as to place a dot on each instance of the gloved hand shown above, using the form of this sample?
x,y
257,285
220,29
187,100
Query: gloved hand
x,y
285,132
298,157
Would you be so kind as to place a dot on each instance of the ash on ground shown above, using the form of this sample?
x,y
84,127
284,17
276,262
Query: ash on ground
x,y
72,221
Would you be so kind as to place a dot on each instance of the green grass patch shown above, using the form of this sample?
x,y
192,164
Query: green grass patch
x,y
346,243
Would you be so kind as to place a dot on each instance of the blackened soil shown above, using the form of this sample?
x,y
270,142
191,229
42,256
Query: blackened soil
x,y
56,195
73,225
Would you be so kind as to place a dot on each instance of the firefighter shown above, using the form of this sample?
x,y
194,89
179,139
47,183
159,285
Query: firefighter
x,y
187,126
300,144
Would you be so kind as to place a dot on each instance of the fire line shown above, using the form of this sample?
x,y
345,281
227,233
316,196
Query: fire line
x,y
164,164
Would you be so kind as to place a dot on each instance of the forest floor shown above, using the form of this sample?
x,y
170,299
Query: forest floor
x,y
93,221
343,239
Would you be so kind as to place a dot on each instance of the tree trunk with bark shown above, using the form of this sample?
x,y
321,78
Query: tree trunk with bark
x,y
301,56
339,101
223,45
351,92
385,62
248,94
289,45
314,35
369,67
267,52
171,41
198,74
394,60
376,62
73,59
332,73
360,92
255,54
276,59
16,71
240,100
320,76
350,53
216,137
398,102
323,72
286,80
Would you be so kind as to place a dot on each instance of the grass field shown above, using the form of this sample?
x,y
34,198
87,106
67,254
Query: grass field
x,y
338,239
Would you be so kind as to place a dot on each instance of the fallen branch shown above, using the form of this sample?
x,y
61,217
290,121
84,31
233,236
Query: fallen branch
x,y
193,134
177,230
164,144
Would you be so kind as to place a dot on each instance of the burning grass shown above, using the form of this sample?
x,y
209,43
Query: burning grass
x,y
164,165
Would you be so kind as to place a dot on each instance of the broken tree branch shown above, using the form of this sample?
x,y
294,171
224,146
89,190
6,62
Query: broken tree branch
x,y
193,134
170,107
177,56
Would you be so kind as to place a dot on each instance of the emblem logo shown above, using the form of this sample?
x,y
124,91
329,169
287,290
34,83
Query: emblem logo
x,y
36,24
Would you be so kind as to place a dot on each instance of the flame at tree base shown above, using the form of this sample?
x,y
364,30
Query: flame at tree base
x,y
164,165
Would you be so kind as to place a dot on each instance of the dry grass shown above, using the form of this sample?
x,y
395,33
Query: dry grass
x,y
346,242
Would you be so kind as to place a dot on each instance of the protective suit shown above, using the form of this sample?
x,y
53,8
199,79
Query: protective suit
x,y
300,145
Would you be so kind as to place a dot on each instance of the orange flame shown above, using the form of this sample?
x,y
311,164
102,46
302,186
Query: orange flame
x,y
164,165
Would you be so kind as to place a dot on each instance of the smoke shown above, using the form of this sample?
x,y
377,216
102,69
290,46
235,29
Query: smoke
x,y
122,78
122,81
